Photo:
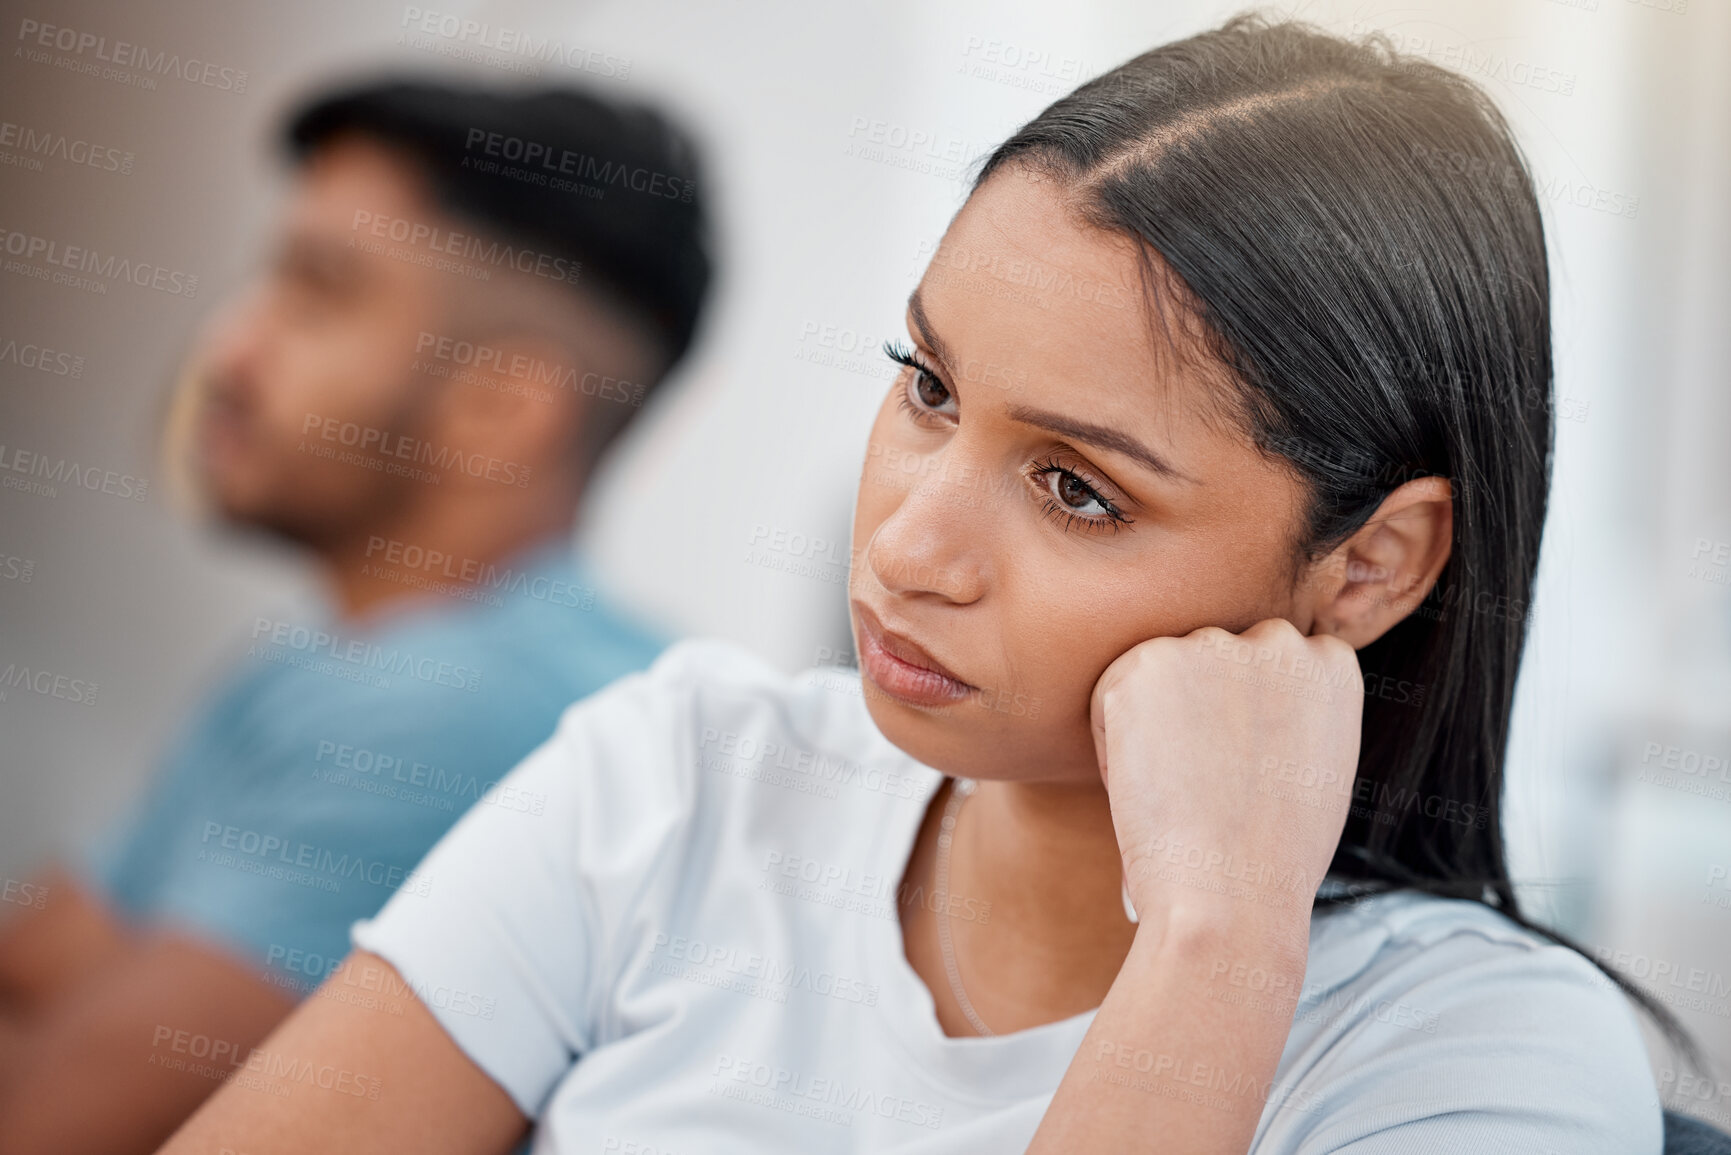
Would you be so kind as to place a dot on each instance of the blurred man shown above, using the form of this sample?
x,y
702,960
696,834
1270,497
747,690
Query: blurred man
x,y
472,294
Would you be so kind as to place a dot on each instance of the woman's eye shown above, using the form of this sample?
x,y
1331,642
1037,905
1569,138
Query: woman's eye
x,y
931,391
1075,495
931,394
1075,504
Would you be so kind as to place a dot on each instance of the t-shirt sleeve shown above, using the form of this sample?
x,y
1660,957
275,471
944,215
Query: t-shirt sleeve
x,y
524,912
333,806
297,802
1501,1046
120,865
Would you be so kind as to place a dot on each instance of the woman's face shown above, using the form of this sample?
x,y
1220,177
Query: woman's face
x,y
1047,491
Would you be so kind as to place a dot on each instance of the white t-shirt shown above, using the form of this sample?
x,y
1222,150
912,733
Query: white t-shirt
x,y
690,945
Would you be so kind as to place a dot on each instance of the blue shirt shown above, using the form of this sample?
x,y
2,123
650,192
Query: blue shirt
x,y
303,795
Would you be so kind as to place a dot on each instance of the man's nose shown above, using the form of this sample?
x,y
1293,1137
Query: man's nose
x,y
233,336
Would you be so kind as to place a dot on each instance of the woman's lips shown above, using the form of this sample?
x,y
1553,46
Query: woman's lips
x,y
901,669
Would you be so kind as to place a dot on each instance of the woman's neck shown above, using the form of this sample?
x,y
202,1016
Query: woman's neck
x,y
1035,915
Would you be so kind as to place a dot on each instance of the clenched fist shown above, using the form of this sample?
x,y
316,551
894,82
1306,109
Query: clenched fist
x,y
1229,762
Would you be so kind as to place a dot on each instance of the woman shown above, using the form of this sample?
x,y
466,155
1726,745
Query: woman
x,y
1223,370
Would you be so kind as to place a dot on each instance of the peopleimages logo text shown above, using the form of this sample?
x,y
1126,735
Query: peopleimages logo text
x,y
144,274
365,655
305,855
35,144
45,472
36,34
384,443
468,246
514,42
536,154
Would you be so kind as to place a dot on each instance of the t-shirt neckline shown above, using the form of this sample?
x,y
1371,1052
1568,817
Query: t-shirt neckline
x,y
996,1068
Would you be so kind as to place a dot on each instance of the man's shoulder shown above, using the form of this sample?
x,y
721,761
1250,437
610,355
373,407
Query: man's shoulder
x,y
548,631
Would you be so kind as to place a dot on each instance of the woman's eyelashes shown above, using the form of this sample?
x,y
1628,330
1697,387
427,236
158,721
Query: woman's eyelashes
x,y
933,395
1066,495
1069,499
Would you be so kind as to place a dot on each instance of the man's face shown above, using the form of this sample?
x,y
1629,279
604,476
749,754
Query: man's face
x,y
322,346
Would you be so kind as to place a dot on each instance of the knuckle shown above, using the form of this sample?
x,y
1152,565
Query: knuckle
x,y
1334,648
1282,628
1153,653
1162,646
1271,630
1210,641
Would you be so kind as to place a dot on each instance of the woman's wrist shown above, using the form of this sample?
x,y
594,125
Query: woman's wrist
x,y
1219,931
1186,1046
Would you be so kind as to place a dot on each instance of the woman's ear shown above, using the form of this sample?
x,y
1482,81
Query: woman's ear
x,y
1383,572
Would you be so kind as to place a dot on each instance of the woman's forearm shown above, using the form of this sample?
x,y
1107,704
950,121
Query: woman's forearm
x,y
1182,1054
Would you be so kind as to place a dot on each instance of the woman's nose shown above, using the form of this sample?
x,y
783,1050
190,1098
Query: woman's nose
x,y
937,541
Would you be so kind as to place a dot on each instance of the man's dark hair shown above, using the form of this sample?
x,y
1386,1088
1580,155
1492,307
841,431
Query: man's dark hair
x,y
614,186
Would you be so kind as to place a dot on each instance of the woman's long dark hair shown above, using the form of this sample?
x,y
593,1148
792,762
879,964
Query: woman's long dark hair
x,y
1357,235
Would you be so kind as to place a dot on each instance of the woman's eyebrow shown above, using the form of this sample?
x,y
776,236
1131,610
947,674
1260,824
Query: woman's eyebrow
x,y
1098,435
917,310
1086,431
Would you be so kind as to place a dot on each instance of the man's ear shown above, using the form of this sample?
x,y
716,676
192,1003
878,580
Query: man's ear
x,y
1383,572
519,403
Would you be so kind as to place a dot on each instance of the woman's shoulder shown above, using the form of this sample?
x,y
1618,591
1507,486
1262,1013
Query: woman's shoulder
x,y
1416,920
724,669
1418,934
703,657
719,681
706,678
709,712
1494,1019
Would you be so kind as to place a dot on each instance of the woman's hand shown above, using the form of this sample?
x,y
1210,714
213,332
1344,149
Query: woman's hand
x,y
1229,761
